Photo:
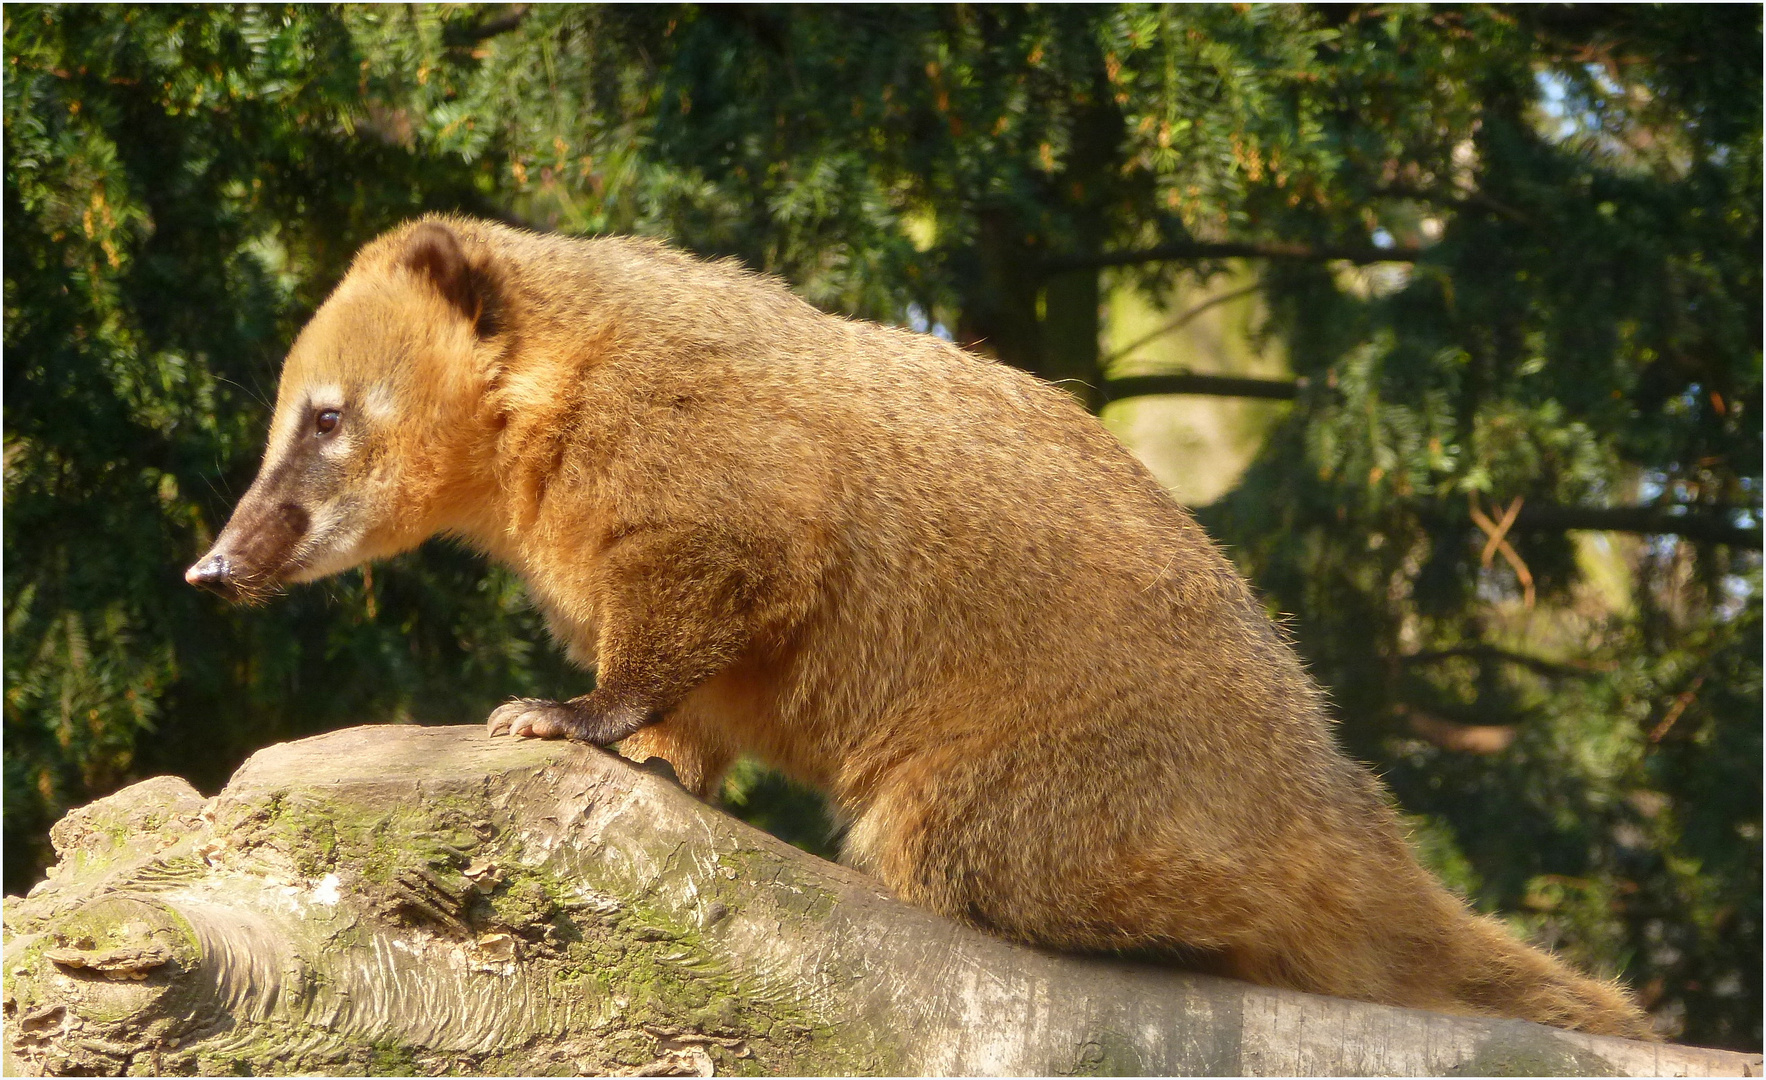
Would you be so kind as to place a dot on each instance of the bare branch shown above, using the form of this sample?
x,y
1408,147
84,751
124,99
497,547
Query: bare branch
x,y
1212,385
1710,525
1178,323
1456,200
1197,250
490,28
1461,738
1566,669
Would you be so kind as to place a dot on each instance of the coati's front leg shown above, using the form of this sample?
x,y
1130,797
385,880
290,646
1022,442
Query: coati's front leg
x,y
674,610
581,718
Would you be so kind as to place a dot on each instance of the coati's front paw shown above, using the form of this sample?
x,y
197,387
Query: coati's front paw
x,y
583,719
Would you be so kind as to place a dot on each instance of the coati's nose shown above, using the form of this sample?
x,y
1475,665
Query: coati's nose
x,y
214,573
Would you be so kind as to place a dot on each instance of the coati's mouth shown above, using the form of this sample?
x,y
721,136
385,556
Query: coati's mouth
x,y
218,574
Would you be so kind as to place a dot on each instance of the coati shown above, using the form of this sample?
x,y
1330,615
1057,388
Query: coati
x,y
920,580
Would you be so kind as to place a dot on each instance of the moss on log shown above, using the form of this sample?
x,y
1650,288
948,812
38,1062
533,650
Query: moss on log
x,y
425,901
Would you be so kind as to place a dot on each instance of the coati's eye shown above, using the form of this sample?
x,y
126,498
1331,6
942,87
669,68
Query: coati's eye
x,y
326,421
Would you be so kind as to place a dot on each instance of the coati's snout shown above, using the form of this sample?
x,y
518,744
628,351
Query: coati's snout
x,y
271,538
254,553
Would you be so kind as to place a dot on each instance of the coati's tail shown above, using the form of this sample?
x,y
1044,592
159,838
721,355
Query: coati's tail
x,y
1504,977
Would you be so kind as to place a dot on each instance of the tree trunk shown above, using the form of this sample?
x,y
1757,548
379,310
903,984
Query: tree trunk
x,y
998,312
428,900
1070,336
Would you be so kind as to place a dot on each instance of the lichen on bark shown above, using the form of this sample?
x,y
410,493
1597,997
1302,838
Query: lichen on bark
x,y
429,897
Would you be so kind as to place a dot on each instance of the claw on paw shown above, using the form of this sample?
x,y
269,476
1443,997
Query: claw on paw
x,y
580,719
533,718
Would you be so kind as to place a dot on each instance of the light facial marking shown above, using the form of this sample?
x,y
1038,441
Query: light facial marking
x,y
296,411
379,403
331,543
325,396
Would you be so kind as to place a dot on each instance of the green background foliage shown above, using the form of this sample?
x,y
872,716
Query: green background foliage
x,y
1511,257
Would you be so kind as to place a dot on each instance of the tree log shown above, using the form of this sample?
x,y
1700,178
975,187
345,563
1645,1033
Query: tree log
x,y
427,900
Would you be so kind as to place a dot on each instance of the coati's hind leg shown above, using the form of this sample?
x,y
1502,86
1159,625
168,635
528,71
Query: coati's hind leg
x,y
1046,858
1062,858
698,762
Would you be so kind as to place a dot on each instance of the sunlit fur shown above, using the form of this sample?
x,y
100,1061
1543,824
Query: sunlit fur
x,y
924,582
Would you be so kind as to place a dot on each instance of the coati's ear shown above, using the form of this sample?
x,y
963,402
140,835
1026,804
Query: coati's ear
x,y
472,285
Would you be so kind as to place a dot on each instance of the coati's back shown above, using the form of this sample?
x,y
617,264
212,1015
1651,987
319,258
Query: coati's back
x,y
980,532
1043,699
1069,720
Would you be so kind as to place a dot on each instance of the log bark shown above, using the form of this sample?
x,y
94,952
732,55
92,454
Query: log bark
x,y
426,900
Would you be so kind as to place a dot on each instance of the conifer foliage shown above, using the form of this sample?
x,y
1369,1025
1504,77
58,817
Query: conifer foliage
x,y
1512,516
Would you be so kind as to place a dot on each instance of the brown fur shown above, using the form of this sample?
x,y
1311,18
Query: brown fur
x,y
924,582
